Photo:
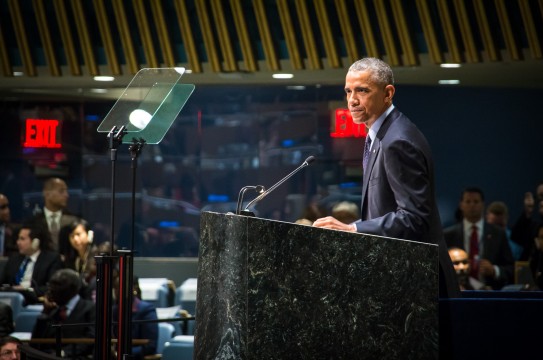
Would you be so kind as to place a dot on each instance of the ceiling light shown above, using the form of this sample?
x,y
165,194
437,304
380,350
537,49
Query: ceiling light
x,y
104,78
296,87
449,82
98,91
450,65
18,73
283,76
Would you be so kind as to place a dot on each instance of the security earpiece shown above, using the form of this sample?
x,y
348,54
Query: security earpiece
x,y
90,236
35,244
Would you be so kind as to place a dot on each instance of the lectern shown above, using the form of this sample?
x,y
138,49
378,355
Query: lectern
x,y
276,290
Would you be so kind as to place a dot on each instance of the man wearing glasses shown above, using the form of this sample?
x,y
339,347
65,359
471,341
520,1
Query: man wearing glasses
x,y
9,348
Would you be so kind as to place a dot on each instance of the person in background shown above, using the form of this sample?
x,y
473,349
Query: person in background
x,y
490,257
55,214
6,320
80,250
10,348
398,187
64,305
524,229
30,269
497,214
536,259
461,265
141,310
346,211
7,229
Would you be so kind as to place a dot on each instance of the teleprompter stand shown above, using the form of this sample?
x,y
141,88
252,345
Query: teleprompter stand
x,y
144,113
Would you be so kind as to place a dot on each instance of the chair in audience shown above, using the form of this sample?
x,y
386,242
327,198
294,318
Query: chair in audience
x,y
156,291
181,347
166,332
24,322
185,295
13,299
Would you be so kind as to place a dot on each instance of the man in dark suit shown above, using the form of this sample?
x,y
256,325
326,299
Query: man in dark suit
x,y
7,229
55,215
64,305
30,269
398,191
486,244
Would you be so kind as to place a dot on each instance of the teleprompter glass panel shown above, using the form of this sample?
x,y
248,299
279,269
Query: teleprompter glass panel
x,y
149,105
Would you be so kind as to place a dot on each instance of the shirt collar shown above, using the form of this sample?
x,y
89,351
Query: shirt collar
x,y
34,257
72,303
374,129
479,224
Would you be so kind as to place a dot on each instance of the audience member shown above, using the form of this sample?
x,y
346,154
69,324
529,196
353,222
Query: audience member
x,y
30,269
7,229
6,320
497,214
490,257
64,306
536,259
346,211
54,215
79,237
524,230
460,262
141,310
10,348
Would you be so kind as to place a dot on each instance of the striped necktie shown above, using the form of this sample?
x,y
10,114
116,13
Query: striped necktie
x,y
22,269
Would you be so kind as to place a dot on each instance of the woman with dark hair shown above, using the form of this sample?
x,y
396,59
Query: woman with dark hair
x,y
79,253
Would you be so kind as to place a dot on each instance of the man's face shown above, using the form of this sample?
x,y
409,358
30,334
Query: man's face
x,y
56,198
499,220
5,215
366,99
10,351
460,261
24,242
472,206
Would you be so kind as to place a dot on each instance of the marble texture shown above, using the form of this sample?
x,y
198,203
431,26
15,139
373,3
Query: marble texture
x,y
275,290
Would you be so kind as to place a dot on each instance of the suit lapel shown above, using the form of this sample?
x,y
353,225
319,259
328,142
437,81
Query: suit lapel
x,y
376,148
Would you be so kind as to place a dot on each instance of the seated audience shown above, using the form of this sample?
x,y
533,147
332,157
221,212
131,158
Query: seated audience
x,y
490,257
80,250
7,229
10,348
498,214
141,310
346,211
63,305
460,262
6,320
524,229
536,259
30,269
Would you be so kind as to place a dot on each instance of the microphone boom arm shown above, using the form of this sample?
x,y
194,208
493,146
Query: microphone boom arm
x,y
265,193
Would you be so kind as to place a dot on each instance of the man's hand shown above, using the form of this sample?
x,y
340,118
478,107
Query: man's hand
x,y
486,268
48,305
330,222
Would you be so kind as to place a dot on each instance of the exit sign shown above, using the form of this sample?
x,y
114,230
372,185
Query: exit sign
x,y
343,125
41,133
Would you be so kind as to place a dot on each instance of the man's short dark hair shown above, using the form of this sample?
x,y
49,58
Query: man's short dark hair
x,y
473,189
9,339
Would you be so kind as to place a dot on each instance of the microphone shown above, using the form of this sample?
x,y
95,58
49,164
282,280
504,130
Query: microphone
x,y
307,161
258,188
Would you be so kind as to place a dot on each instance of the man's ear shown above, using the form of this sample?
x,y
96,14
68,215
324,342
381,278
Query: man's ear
x,y
35,244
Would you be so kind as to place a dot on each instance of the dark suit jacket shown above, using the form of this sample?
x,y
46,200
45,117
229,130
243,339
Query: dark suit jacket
x,y
83,312
46,264
66,219
398,192
495,249
142,310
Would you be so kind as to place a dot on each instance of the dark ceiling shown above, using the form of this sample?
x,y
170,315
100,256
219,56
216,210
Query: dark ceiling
x,y
58,46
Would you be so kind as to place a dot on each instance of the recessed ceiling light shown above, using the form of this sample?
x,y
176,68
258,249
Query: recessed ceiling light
x,y
18,73
296,87
98,91
104,78
450,65
449,82
283,76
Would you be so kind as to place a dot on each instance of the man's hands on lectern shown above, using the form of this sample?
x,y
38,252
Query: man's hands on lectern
x,y
330,222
